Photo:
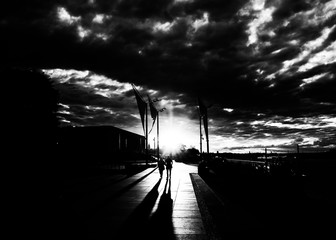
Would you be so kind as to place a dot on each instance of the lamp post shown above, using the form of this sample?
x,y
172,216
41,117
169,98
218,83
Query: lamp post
x,y
158,146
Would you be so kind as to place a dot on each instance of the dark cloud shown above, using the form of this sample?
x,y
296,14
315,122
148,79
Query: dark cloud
x,y
143,8
324,142
32,11
322,91
332,37
284,53
287,8
219,10
190,48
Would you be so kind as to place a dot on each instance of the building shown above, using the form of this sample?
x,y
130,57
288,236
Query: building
x,y
100,145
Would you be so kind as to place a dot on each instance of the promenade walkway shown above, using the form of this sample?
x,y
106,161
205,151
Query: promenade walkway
x,y
144,206
141,206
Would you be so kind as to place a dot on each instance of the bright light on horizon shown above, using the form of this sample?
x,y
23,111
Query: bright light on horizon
x,y
175,132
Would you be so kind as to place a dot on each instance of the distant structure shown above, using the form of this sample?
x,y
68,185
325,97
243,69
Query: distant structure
x,y
203,114
143,111
155,116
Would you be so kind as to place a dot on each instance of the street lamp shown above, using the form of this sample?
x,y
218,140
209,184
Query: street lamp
x,y
158,146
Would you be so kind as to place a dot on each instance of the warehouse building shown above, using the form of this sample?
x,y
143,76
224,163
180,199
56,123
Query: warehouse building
x,y
100,145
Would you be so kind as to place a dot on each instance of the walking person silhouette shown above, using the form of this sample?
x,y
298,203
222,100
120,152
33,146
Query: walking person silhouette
x,y
161,166
169,166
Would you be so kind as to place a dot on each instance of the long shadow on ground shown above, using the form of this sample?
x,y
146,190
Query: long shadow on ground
x,y
143,224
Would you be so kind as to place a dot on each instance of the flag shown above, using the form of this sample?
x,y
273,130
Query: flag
x,y
204,114
205,123
153,111
202,108
142,106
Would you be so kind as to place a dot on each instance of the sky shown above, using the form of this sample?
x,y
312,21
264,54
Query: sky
x,y
266,69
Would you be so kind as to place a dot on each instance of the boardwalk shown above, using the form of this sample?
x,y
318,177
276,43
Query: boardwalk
x,y
187,206
143,205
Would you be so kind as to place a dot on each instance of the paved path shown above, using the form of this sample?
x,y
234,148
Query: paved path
x,y
141,206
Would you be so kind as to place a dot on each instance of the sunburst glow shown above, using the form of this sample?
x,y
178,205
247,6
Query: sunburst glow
x,y
175,132
170,142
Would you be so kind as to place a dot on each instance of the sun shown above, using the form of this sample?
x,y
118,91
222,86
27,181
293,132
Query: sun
x,y
174,133
171,142
173,137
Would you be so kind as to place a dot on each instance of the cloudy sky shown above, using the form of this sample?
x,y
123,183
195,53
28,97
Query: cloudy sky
x,y
266,68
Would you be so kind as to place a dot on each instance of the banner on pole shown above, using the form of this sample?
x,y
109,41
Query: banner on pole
x,y
142,105
153,111
203,111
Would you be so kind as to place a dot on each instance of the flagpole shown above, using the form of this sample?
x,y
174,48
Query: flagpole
x,y
142,106
207,139
158,146
146,136
200,117
158,137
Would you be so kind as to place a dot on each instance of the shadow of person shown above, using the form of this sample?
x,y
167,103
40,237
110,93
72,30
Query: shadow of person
x,y
161,221
136,225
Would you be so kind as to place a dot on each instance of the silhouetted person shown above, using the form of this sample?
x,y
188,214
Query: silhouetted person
x,y
161,166
169,166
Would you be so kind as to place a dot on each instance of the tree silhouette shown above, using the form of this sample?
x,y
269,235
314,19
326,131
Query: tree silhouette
x,y
30,104
29,107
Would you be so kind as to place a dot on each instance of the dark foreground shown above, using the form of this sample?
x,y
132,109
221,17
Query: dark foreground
x,y
269,206
192,206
